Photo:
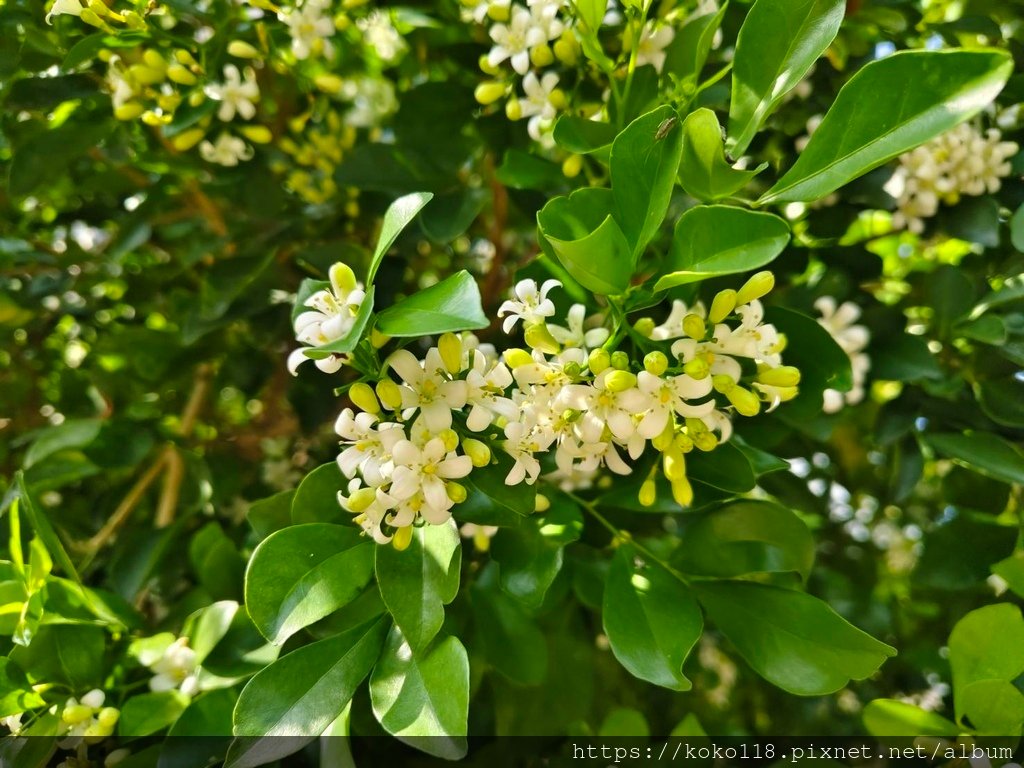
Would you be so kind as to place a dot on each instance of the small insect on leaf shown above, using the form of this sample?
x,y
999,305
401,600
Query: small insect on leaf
x,y
665,128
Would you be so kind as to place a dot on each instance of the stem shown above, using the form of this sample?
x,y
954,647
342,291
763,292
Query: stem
x,y
714,79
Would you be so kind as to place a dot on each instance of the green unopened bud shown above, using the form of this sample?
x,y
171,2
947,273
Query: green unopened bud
x,y
184,57
450,347
513,110
756,287
133,20
573,370
648,493
572,165
693,326
402,538
683,443
664,440
537,336
745,401
477,451
328,83
541,503
656,363
145,75
378,339
783,376
258,134
92,18
566,51
342,277
697,368
389,393
541,56
722,305
644,326
598,360
457,493
516,358
723,383
75,714
132,109
489,92
620,360
682,492
361,394
243,50
704,441
619,381
450,438
180,75
153,59
360,500
673,464
108,717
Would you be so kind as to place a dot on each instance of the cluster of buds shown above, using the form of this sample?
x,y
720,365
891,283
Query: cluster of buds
x,y
87,718
316,150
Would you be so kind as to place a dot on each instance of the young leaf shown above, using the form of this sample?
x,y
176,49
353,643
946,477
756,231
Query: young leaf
x,y
778,43
451,305
914,96
396,218
652,620
418,582
703,171
986,644
715,240
147,713
793,640
301,574
644,161
422,697
889,717
44,530
983,452
687,53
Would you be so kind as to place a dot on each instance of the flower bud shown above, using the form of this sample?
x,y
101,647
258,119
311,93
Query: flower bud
x,y
328,83
756,287
683,442
489,92
620,360
656,363
477,451
517,357
130,110
644,326
361,394
243,50
450,347
184,57
723,383
704,441
697,368
783,376
722,305
153,59
75,714
91,18
378,339
513,109
541,503
598,360
258,134
402,538
557,99
693,326
541,56
682,492
149,117
389,393
180,75
359,500
342,276
745,401
108,717
566,51
664,440
486,68
537,336
450,438
187,139
619,381
133,20
572,165
673,464
648,493
145,75
456,492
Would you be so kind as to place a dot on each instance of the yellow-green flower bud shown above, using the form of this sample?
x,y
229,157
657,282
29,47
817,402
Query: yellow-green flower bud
x,y
557,99
390,394
745,401
145,75
619,381
153,59
541,56
783,376
572,165
402,538
722,305
655,362
187,139
541,503
75,714
673,464
693,326
92,18
341,275
620,360
184,57
682,492
573,370
486,68
360,500
361,394
257,134
243,50
683,442
130,110
644,326
450,438
108,718
477,451
697,368
378,339
149,117
756,287
328,83
664,440
537,336
516,357
648,493
513,109
598,360
457,493
450,347
704,441
566,50
133,20
180,75
489,92
723,383
498,12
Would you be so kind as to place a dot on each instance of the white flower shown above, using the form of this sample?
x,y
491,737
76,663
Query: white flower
x,y
672,328
653,41
373,99
368,449
601,407
671,395
523,439
538,95
61,7
752,339
235,94
840,322
12,722
424,470
545,18
380,34
485,394
514,40
228,150
87,718
121,89
574,335
331,315
176,669
426,388
529,304
309,27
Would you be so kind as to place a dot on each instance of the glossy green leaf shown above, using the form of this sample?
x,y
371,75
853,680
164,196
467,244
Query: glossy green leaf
x,y
418,582
790,638
582,136
73,433
1011,570
301,574
914,96
703,170
16,694
715,240
889,717
301,694
822,362
521,500
44,530
652,620
316,498
147,713
643,164
451,305
983,452
592,13
509,637
207,717
688,52
584,236
986,644
745,537
778,43
396,218
1017,229
422,697
725,468
992,707
270,514
69,654
1003,400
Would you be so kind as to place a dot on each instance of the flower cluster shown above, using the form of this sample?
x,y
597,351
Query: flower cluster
x,y
330,316
960,162
311,28
87,718
316,150
428,423
840,322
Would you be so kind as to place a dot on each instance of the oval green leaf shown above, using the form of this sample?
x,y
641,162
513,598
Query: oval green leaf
x,y
451,305
396,218
703,170
983,452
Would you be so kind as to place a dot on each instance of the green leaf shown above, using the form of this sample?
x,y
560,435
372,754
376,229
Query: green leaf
x,y
986,644
983,452
422,697
523,170
271,514
688,52
396,218
792,639
592,14
451,305
46,156
301,694
725,468
490,481
207,717
652,620
69,654
903,357
643,165
1012,571
582,136
993,707
623,721
1017,229
316,498
1002,400
16,694
822,362
217,563
889,717
302,574
147,713
418,582
914,96
715,240
584,236
509,637
44,530
703,170
778,43
73,433
743,538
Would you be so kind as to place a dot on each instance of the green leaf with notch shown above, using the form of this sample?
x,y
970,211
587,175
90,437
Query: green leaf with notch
x,y
396,218
703,170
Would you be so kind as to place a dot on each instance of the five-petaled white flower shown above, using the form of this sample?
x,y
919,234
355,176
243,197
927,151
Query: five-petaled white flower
x,y
176,669
529,305
331,315
236,94
424,470
654,39
310,27
574,335
514,40
228,150
671,395
426,388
